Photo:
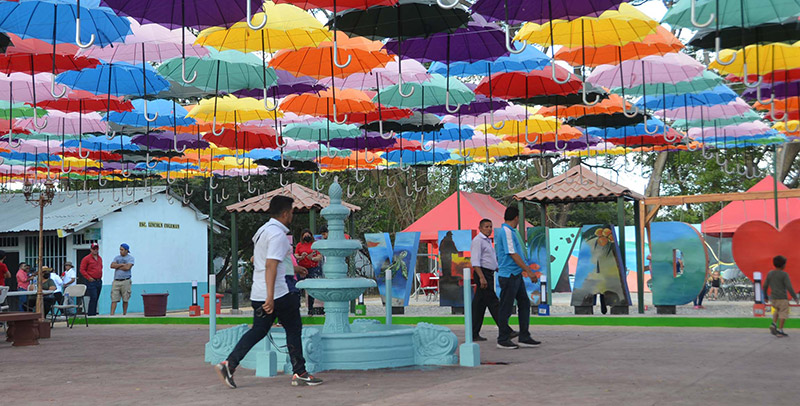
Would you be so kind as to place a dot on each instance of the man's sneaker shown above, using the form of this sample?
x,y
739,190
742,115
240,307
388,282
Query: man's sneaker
x,y
514,334
782,334
773,329
528,342
226,374
478,337
305,379
506,345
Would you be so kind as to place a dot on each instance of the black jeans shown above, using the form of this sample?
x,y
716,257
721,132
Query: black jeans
x,y
287,310
93,291
484,298
513,288
698,301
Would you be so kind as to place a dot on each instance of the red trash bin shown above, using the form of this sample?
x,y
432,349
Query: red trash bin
x,y
155,304
207,308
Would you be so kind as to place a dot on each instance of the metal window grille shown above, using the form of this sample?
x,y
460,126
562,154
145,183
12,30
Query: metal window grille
x,y
9,241
80,239
54,254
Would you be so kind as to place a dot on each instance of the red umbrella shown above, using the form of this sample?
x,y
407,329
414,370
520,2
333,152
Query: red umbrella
x,y
523,85
86,102
36,46
93,155
39,63
247,140
385,113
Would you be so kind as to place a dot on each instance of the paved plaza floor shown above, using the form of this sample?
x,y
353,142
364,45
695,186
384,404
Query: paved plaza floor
x,y
576,365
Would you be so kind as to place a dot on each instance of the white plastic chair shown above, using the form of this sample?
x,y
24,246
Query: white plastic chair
x,y
76,292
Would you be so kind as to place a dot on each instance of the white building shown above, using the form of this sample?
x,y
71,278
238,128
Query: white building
x,y
168,239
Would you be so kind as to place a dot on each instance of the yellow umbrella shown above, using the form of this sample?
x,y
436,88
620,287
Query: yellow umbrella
x,y
502,149
287,26
230,109
75,162
597,152
537,124
761,59
613,27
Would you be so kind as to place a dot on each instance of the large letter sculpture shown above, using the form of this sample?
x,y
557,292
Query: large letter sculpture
x,y
402,260
600,271
451,245
755,243
678,266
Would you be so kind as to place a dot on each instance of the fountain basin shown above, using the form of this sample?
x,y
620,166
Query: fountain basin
x,y
368,345
336,290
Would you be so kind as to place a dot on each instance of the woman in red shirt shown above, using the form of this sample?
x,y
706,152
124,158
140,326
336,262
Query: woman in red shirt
x,y
308,258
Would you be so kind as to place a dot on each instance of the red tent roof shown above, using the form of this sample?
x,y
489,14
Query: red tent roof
x,y
474,208
727,220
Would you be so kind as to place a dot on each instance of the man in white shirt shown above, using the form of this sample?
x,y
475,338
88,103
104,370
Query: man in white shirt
x,y
270,296
69,275
483,259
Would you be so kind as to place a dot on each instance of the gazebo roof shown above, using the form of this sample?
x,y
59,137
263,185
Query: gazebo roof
x,y
578,184
305,199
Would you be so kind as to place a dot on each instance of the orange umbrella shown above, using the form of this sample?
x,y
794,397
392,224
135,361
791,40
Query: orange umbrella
x,y
611,105
365,56
356,159
565,133
330,103
658,43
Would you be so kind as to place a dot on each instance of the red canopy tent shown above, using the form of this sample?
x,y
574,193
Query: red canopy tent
x,y
474,208
727,220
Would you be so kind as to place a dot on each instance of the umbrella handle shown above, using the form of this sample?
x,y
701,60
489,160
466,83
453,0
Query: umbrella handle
x,y
717,49
429,149
764,102
249,17
266,106
114,196
36,119
211,182
553,71
694,16
281,180
361,179
214,128
625,111
113,133
771,114
53,89
175,144
78,31
647,130
509,47
502,123
335,115
447,104
380,129
183,73
387,182
147,116
80,148
400,87
246,178
369,161
287,165
786,125
249,190
336,57
350,194
744,79
147,162
100,180
446,6
189,192
100,199
170,179
587,102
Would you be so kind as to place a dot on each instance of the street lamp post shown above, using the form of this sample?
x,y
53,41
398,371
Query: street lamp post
x,y
41,198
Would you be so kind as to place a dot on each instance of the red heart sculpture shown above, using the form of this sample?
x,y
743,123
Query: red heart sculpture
x,y
755,243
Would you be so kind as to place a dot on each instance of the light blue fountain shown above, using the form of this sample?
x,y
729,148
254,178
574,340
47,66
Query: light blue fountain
x,y
339,344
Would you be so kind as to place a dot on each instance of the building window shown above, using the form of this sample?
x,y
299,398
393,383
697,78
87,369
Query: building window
x,y
80,239
9,241
54,254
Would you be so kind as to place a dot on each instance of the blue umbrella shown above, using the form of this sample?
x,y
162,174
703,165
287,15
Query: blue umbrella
x,y
101,142
450,132
655,127
125,80
164,166
164,108
29,156
36,19
718,95
410,157
525,61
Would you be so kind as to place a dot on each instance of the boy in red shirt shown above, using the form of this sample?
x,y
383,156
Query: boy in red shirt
x,y
308,258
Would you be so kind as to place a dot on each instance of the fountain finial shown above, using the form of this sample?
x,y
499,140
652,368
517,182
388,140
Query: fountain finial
x,y
335,191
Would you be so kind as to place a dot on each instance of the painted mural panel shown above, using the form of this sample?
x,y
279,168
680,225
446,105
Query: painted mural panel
x,y
454,245
679,263
599,269
562,242
401,259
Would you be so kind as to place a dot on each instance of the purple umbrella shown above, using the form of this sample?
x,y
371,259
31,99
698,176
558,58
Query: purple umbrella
x,y
286,84
198,14
541,11
168,140
373,141
571,145
478,41
781,90
481,105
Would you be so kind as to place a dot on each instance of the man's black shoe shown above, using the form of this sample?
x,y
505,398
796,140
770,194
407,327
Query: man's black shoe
x,y
506,345
514,334
226,374
478,337
528,342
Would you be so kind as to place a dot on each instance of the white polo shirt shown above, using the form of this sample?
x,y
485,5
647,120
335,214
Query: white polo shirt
x,y
271,242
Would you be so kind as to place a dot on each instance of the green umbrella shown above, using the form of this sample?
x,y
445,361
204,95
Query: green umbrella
x,y
312,154
320,131
432,92
729,13
18,110
708,80
747,117
226,71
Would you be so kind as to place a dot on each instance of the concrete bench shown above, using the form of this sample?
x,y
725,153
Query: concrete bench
x,y
24,328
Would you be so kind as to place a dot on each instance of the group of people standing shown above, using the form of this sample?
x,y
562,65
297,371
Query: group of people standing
x,y
506,258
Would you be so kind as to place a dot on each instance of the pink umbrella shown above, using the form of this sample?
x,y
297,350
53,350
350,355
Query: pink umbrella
x,y
477,141
288,118
299,145
738,130
734,108
413,71
669,68
239,171
35,146
22,87
160,43
512,112
67,123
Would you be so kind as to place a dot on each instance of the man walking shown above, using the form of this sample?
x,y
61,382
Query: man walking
x,y
121,287
484,265
778,283
509,275
270,296
92,270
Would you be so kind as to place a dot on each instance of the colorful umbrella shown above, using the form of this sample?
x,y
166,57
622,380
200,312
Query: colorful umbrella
x,y
187,13
118,79
326,104
364,55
